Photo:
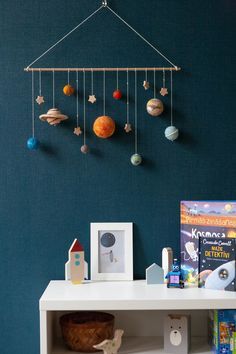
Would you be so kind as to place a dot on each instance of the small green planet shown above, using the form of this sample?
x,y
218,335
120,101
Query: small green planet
x,y
136,159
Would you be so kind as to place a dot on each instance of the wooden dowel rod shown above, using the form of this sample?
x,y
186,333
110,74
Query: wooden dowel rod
x,y
104,69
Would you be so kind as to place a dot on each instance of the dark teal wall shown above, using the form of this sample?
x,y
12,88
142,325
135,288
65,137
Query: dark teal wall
x,y
50,196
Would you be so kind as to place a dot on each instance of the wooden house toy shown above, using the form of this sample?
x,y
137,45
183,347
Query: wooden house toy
x,y
76,268
154,274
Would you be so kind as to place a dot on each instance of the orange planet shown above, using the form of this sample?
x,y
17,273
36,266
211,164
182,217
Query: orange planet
x,y
104,127
68,90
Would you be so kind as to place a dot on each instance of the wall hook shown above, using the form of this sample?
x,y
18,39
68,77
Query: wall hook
x,y
104,3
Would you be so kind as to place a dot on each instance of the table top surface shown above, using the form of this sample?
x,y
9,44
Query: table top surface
x,y
131,295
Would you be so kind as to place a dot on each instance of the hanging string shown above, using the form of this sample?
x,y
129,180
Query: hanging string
x,y
135,114
117,79
154,82
53,88
164,78
90,16
40,83
33,115
104,92
68,77
77,98
92,81
139,35
171,99
65,36
146,75
84,109
127,119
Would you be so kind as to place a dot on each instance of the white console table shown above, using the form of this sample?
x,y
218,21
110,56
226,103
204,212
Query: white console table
x,y
138,308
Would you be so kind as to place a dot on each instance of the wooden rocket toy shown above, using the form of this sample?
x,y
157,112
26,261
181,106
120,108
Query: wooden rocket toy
x,y
76,268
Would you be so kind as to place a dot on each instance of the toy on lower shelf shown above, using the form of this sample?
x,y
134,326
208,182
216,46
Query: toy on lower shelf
x,y
154,274
224,331
76,269
111,346
175,278
177,334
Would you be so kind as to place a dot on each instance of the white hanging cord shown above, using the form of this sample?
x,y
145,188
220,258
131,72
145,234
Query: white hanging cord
x,y
164,78
117,79
92,81
65,36
53,88
32,83
68,77
104,92
138,34
154,82
136,115
171,99
127,117
40,83
77,99
84,108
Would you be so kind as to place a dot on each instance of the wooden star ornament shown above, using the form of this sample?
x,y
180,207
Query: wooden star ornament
x,y
128,128
40,100
92,99
146,85
164,91
78,131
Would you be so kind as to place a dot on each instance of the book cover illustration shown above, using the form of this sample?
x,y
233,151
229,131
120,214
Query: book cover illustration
x,y
203,218
217,263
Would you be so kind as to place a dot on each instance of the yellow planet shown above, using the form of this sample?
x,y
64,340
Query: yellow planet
x,y
228,207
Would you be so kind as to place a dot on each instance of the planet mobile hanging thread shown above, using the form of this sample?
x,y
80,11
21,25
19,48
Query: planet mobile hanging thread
x,y
117,94
171,132
68,90
54,115
40,98
164,90
146,84
127,127
77,130
84,148
104,92
155,106
32,142
154,83
92,98
136,159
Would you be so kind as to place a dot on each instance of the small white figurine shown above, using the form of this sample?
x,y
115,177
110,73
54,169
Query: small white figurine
x,y
111,346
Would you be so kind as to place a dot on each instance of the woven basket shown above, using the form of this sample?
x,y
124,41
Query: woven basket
x,y
82,330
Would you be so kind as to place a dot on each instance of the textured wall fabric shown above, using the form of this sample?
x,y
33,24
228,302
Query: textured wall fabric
x,y
50,196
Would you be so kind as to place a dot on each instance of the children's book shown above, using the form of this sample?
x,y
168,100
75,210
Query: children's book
x,y
217,263
216,219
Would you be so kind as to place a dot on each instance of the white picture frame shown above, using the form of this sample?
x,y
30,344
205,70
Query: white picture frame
x,y
111,246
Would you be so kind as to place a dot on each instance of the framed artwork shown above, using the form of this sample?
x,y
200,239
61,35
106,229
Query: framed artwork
x,y
111,251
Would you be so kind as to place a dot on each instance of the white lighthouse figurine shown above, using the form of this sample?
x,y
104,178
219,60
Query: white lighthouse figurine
x,y
76,268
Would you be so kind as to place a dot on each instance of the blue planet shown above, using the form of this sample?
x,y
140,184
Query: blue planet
x,y
33,143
